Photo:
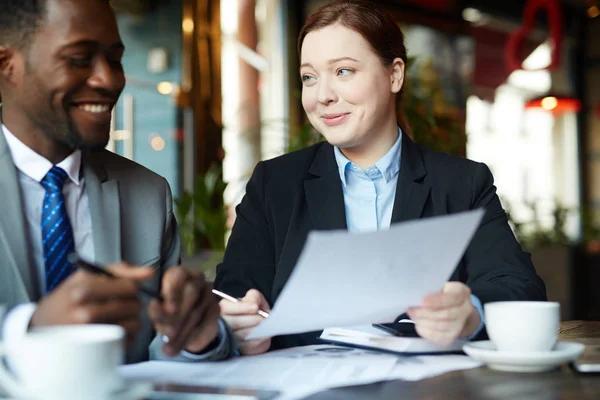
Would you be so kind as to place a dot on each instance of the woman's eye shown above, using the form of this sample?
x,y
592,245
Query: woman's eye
x,y
306,78
345,72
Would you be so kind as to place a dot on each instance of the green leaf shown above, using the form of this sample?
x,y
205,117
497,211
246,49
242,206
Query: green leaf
x,y
201,216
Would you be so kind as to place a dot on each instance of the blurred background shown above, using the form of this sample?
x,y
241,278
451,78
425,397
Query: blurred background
x,y
213,88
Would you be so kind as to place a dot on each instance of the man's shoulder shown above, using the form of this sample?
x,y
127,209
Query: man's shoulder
x,y
119,167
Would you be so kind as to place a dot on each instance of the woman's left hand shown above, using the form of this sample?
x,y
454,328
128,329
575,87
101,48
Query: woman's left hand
x,y
446,316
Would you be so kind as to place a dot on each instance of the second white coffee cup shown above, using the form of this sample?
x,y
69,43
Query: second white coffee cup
x,y
522,326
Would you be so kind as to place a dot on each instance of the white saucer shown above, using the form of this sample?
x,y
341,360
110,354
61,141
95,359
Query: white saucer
x,y
486,352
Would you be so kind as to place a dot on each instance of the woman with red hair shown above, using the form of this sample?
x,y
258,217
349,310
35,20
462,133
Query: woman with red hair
x,y
367,175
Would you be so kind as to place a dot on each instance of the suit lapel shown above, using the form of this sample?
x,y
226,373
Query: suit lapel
x,y
412,189
103,197
324,192
13,237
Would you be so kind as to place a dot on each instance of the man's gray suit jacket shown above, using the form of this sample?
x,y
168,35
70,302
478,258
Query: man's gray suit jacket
x,y
132,220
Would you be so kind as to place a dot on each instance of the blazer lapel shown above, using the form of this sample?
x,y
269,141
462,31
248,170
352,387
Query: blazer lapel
x,y
103,197
412,189
13,237
324,192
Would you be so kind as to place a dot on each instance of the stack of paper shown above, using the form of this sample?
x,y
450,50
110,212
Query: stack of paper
x,y
295,373
298,372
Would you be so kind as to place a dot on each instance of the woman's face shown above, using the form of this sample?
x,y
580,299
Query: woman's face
x,y
348,94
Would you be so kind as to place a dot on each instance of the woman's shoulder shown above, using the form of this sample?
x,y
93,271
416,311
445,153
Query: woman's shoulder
x,y
298,163
454,173
436,161
306,154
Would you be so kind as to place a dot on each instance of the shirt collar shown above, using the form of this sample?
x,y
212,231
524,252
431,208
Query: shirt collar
x,y
34,165
388,165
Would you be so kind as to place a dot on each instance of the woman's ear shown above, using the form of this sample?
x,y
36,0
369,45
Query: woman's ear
x,y
397,75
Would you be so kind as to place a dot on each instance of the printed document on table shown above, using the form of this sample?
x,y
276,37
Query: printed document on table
x,y
295,372
344,278
423,367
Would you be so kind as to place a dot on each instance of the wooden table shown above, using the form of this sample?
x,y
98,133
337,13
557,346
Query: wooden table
x,y
575,331
483,383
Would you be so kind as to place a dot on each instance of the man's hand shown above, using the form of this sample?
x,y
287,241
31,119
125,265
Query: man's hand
x,y
242,317
86,298
446,316
189,316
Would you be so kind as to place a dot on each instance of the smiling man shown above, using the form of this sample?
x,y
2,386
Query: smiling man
x,y
62,192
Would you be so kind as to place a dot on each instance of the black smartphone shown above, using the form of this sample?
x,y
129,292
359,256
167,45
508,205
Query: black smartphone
x,y
404,329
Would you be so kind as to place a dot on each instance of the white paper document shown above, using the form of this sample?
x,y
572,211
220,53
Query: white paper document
x,y
344,279
297,372
422,367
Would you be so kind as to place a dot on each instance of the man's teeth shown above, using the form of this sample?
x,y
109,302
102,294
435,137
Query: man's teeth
x,y
94,108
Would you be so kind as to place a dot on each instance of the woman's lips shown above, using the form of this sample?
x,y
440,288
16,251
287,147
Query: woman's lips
x,y
335,119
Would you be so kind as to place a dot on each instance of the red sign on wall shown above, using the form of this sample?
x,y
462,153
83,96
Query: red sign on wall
x,y
534,8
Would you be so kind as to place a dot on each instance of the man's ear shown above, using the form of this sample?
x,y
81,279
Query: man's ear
x,y
7,64
397,75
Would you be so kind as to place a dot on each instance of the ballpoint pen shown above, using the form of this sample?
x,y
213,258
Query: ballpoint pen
x,y
77,262
225,296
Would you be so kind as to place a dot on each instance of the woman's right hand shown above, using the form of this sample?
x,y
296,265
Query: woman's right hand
x,y
242,317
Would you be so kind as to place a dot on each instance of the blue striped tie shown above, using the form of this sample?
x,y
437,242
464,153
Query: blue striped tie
x,y
57,235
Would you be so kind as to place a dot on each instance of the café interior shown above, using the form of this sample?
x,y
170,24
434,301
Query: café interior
x,y
213,88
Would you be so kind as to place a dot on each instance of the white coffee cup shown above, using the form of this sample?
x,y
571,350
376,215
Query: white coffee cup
x,y
64,362
522,326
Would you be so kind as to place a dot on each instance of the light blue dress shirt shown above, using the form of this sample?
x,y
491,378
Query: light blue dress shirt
x,y
369,196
